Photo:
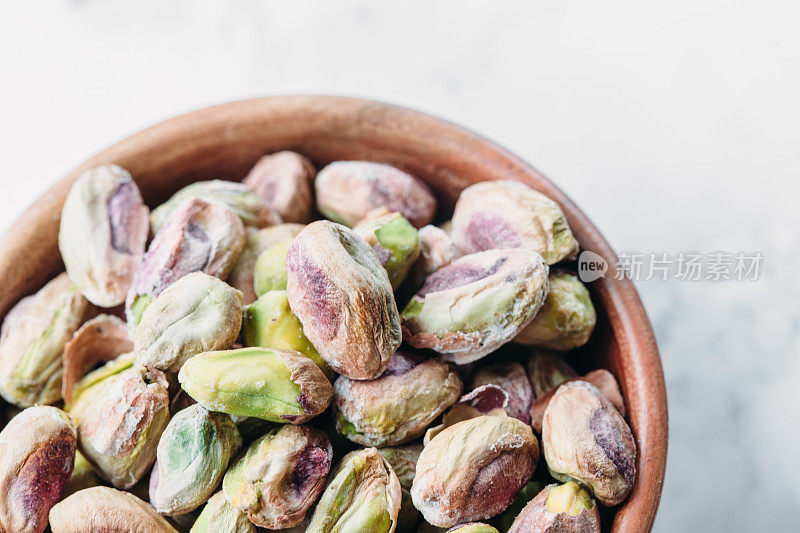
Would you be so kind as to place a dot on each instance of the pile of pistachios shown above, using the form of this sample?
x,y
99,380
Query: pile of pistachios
x,y
232,360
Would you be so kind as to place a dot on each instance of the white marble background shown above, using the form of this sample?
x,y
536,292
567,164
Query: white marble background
x,y
675,125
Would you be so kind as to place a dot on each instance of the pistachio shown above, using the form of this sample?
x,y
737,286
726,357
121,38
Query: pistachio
x,y
269,322
120,417
280,476
270,270
567,508
108,370
193,455
32,342
103,233
600,378
198,236
219,516
484,400
252,210
509,214
363,495
403,460
284,180
101,339
437,250
474,527
398,406
343,298
512,378
348,190
272,384
546,371
257,241
37,450
567,318
106,509
473,469
197,313
526,494
394,240
476,304
82,477
586,439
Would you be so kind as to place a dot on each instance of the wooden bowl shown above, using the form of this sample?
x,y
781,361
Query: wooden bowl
x,y
224,141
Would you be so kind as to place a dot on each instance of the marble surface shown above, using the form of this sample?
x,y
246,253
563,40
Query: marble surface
x,y
674,125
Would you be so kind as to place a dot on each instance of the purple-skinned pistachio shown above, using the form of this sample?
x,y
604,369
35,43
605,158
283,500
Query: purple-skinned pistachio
x,y
199,236
546,371
489,400
476,304
563,508
510,214
437,250
103,233
586,439
398,406
348,190
512,378
280,476
37,453
472,470
246,204
268,383
343,298
284,181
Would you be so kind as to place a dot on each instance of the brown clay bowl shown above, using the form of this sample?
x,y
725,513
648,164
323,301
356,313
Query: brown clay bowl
x,y
224,141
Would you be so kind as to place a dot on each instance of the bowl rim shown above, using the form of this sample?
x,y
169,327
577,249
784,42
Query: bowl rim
x,y
641,375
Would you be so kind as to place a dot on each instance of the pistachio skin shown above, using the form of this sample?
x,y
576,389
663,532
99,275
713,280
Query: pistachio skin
x,y
103,233
192,456
567,318
197,236
586,439
238,197
280,476
512,378
106,509
476,304
32,342
510,214
37,453
219,516
284,181
343,298
272,384
394,240
347,191
398,406
120,419
545,515
197,313
436,250
363,495
270,269
269,322
472,470
257,240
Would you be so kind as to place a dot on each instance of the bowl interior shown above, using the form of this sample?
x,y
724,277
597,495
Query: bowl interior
x,y
225,141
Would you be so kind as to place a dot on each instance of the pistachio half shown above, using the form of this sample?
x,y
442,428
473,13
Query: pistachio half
x,y
348,190
37,453
559,508
197,313
476,304
485,400
343,298
284,181
398,406
103,233
276,385
510,214
512,378
32,342
280,476
362,495
586,439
